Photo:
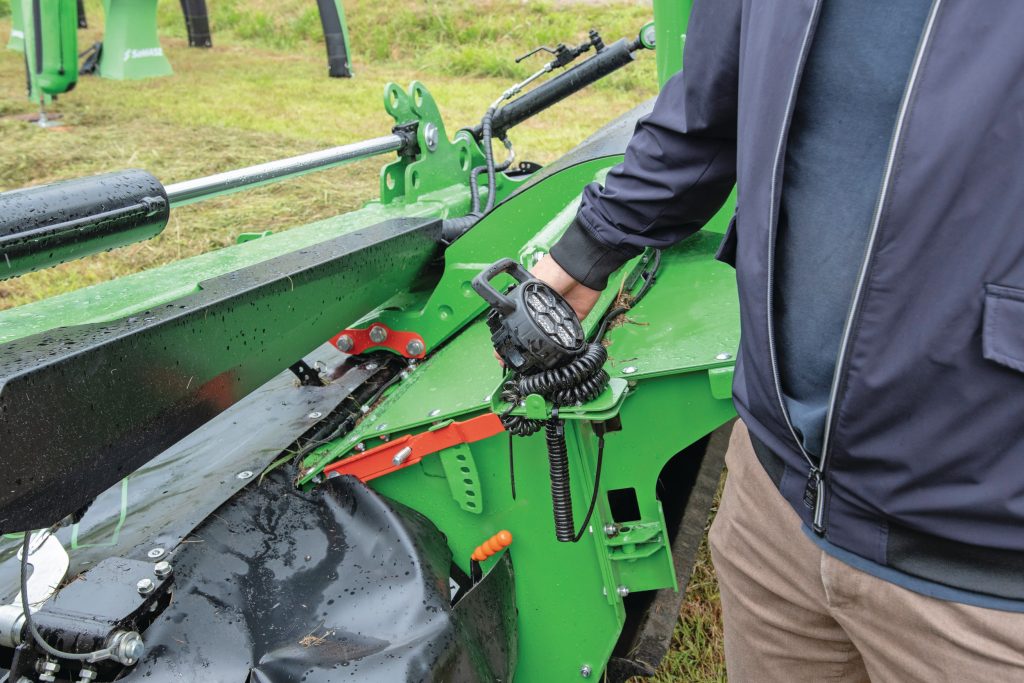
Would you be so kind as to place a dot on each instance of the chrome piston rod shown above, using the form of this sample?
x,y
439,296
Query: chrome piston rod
x,y
190,191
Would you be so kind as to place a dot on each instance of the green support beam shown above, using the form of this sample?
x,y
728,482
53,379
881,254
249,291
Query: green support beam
x,y
17,40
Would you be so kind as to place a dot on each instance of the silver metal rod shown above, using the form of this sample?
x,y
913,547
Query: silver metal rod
x,y
191,191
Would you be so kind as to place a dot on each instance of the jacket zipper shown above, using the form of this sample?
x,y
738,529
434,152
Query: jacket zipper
x,y
773,225
818,475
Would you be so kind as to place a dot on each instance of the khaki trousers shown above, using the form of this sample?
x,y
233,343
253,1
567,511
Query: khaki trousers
x,y
793,613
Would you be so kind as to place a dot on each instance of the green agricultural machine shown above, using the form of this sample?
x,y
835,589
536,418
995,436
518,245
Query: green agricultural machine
x,y
297,458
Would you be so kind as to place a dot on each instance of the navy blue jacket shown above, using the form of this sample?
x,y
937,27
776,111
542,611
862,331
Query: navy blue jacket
x,y
923,462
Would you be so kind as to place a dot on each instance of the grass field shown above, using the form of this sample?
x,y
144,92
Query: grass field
x,y
262,93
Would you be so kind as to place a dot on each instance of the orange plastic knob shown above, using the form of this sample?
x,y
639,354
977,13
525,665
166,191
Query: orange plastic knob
x,y
494,544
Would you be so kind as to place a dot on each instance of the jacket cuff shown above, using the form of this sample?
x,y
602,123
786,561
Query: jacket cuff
x,y
588,260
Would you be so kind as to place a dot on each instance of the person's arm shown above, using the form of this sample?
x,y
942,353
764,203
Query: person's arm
x,y
679,167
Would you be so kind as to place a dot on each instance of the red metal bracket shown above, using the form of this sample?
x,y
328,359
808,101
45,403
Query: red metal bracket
x,y
378,335
411,448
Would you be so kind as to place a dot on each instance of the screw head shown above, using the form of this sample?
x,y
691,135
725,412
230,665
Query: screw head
x,y
156,553
629,370
360,447
372,366
414,347
145,586
723,356
315,415
162,569
611,530
345,343
378,334
623,591
434,413
430,136
382,426
244,474
586,671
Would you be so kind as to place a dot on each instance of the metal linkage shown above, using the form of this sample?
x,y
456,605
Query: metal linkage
x,y
190,191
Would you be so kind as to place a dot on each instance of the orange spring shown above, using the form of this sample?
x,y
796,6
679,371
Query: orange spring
x,y
492,545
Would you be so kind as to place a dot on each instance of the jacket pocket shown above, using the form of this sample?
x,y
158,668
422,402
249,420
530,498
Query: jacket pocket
x,y
727,249
1002,334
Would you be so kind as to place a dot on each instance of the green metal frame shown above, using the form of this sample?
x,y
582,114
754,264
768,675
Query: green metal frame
x,y
131,47
671,364
16,41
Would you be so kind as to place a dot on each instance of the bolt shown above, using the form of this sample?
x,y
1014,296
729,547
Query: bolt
x,y
332,475
382,426
723,356
345,343
162,569
244,474
623,591
86,675
372,366
156,553
611,530
430,136
585,671
378,334
414,347
434,413
629,370
47,669
360,447
126,647
145,586
315,415
401,456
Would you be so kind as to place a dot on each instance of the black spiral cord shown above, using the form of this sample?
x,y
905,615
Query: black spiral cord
x,y
576,383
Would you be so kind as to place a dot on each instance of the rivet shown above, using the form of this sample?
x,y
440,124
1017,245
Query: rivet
x,y
723,356
360,447
372,366
244,474
381,427
434,413
629,370
156,553
315,415
623,591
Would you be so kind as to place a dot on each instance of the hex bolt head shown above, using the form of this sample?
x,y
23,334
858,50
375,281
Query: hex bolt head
x,y
360,447
586,671
145,586
378,334
623,591
414,347
723,356
345,343
156,553
162,569
611,530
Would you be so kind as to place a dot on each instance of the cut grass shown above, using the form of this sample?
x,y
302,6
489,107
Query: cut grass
x,y
262,93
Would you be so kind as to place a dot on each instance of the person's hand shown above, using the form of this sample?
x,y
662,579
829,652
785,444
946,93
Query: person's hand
x,y
581,298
